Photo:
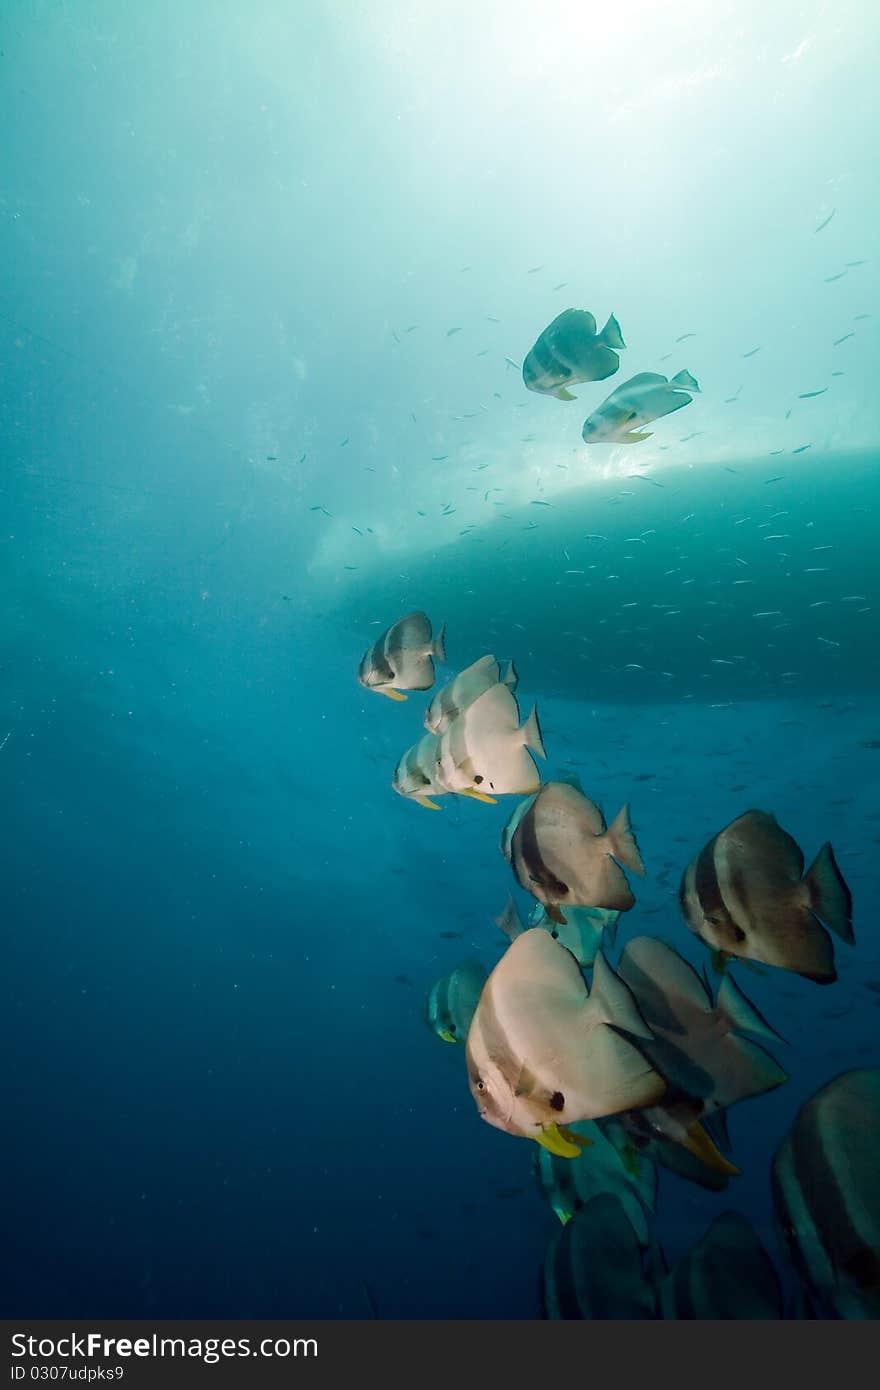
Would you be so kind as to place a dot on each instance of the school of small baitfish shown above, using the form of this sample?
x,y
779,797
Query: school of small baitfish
x,y
612,1070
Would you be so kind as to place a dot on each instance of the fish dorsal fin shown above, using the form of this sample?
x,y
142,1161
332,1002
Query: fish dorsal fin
x,y
643,379
579,803
614,1001
585,320
741,1012
571,779
668,972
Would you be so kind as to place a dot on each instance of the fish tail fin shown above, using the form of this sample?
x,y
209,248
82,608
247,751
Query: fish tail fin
x,y
531,732
510,677
438,647
685,381
741,1012
623,842
509,921
611,335
615,1000
830,897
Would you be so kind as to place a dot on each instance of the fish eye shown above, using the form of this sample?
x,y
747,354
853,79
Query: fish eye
x,y
481,1085
478,778
557,1101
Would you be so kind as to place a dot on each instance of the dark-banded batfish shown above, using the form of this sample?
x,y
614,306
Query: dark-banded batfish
x,y
747,896
403,657
594,1268
562,852
415,776
542,1052
727,1275
484,751
697,1044
635,403
450,1005
570,351
461,692
826,1194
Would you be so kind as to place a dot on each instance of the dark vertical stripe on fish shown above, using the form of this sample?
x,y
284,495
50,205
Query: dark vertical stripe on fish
x,y
706,885
845,1246
526,842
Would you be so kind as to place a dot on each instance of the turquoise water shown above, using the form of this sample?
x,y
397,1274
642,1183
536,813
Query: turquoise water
x,y
270,274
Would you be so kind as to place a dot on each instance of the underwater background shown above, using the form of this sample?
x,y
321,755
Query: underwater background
x,y
269,273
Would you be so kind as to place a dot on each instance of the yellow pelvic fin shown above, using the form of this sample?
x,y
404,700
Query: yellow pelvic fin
x,y
563,395
697,1142
394,694
447,1037
719,961
428,803
559,1140
480,796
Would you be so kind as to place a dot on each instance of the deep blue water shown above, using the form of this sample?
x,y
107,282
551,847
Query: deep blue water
x,y
220,923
